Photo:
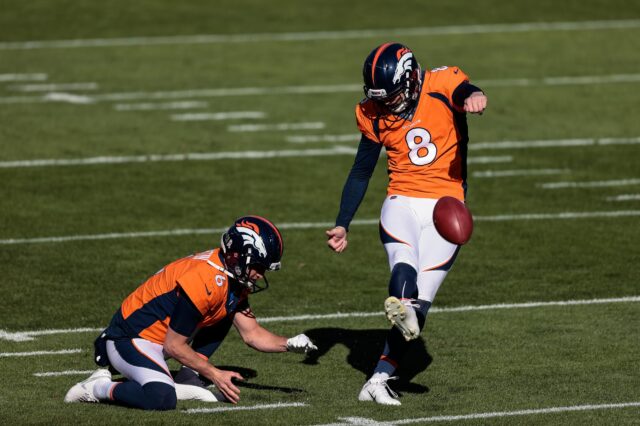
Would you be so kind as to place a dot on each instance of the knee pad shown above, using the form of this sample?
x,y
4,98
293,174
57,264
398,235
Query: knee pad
x,y
403,282
159,396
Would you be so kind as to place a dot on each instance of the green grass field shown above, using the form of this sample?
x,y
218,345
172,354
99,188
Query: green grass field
x,y
73,242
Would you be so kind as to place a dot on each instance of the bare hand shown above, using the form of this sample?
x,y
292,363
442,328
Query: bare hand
x,y
222,380
475,103
337,239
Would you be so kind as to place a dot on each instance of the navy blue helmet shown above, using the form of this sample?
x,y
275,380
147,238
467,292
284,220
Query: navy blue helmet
x,y
392,77
252,242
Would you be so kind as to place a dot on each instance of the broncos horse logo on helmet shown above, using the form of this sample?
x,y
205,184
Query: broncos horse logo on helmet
x,y
392,77
252,242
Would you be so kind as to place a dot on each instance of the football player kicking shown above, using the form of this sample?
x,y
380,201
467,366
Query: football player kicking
x,y
420,118
184,312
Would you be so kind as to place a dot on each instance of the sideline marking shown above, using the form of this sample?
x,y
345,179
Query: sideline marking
x,y
593,184
53,87
324,35
23,336
624,197
37,353
63,373
241,408
276,127
204,116
526,172
152,106
349,421
313,225
23,77
336,88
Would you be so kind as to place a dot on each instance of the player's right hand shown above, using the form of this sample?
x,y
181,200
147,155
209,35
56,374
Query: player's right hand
x,y
223,381
337,239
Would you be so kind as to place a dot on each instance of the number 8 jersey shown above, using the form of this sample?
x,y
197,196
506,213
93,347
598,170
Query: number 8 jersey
x,y
426,151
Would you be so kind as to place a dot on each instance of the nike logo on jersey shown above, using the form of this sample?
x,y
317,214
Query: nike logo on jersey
x,y
410,125
207,290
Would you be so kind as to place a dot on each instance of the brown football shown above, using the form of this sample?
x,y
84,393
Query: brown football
x,y
453,220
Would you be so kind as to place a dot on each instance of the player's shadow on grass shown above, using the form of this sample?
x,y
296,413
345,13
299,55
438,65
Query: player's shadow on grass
x,y
248,374
365,347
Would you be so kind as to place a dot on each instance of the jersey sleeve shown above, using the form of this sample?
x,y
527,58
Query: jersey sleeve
x,y
445,80
364,120
199,287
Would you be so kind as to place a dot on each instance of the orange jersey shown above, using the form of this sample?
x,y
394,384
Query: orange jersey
x,y
146,312
426,154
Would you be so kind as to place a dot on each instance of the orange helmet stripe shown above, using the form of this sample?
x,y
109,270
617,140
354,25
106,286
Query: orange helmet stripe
x,y
375,60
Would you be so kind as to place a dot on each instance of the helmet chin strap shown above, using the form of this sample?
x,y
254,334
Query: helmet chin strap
x,y
221,269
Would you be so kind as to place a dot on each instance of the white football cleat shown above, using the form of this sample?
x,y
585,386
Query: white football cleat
x,y
83,391
197,393
403,316
378,390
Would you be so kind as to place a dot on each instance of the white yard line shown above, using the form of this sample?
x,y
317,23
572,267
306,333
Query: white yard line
x,y
554,143
211,156
348,137
624,197
69,98
63,373
193,156
23,336
23,77
39,353
152,106
592,184
354,137
312,225
350,421
52,87
218,116
323,89
245,408
326,35
316,125
525,172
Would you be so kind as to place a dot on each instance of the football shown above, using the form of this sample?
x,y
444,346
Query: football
x,y
453,220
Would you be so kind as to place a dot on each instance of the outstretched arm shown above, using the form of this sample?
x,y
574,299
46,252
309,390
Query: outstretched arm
x,y
470,98
261,339
353,192
255,335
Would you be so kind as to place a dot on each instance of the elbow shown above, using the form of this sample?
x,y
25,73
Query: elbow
x,y
170,349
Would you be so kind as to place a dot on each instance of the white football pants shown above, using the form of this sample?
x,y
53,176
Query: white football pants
x,y
411,238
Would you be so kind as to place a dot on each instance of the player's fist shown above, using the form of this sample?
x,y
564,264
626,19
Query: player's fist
x,y
475,103
337,239
300,344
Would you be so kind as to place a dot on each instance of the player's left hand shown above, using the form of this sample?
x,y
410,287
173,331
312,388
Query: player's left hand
x,y
475,103
300,344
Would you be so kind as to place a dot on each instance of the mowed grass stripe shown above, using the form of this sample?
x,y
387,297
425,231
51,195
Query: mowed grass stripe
x,y
319,89
313,225
325,35
23,336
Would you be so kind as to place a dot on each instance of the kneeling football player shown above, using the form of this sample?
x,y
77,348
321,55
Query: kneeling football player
x,y
184,312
